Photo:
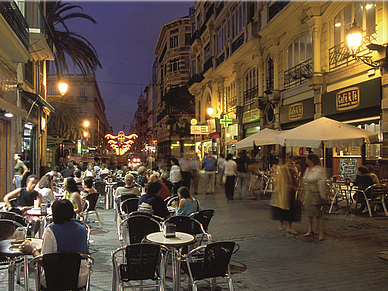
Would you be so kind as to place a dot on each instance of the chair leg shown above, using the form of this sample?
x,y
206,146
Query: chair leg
x,y
369,208
384,206
98,218
230,282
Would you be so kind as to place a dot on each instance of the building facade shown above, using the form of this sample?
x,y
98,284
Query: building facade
x,y
25,46
84,94
173,56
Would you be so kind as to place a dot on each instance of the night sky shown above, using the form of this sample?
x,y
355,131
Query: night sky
x,y
125,37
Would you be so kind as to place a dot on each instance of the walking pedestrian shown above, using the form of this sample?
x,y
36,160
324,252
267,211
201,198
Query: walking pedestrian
x,y
312,175
184,164
20,170
194,167
283,200
230,171
220,166
209,164
242,172
175,175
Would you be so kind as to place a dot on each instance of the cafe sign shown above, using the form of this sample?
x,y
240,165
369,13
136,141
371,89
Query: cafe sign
x,y
295,111
348,99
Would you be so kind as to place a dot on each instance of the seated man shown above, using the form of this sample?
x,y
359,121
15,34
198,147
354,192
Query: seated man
x,y
363,181
151,202
164,192
128,191
64,235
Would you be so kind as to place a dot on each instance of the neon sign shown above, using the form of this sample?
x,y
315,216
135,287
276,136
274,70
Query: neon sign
x,y
121,143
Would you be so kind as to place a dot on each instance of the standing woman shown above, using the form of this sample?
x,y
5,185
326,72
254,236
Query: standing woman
x,y
229,170
175,175
20,170
312,175
72,194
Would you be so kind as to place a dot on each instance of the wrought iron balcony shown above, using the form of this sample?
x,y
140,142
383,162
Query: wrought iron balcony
x,y
298,74
196,78
238,42
194,37
250,95
11,13
220,59
208,64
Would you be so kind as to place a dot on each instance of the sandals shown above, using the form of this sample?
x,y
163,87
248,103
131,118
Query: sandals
x,y
308,234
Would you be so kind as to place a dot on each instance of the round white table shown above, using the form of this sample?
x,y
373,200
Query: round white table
x,y
176,243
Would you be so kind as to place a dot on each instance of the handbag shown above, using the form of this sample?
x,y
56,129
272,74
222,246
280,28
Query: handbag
x,y
315,195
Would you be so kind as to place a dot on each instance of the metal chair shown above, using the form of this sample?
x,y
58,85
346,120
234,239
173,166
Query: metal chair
x,y
100,186
141,263
137,227
128,205
204,217
92,199
374,195
209,262
61,271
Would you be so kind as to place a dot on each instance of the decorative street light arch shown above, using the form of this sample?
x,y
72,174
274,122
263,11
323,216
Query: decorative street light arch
x,y
121,143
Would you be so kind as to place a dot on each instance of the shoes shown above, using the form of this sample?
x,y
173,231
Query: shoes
x,y
322,236
280,228
291,231
308,234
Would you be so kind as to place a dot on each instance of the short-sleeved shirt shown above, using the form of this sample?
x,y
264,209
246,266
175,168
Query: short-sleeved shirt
x,y
26,198
19,168
189,207
157,204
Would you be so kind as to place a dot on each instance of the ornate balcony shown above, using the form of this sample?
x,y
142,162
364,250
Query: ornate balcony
x,y
298,74
250,95
238,42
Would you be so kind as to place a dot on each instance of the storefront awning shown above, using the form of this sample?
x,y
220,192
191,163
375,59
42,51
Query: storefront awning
x,y
39,100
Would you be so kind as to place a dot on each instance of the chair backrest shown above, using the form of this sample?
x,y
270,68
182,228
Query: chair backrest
x,y
103,176
100,187
378,190
141,262
92,198
217,258
204,217
184,224
170,200
61,270
8,228
139,226
129,205
13,216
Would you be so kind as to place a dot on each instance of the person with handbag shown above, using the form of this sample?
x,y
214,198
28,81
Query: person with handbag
x,y
313,179
284,200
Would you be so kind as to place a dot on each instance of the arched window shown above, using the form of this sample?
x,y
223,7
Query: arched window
x,y
300,50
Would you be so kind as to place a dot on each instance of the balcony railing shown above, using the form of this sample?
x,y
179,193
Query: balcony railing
x,y
250,95
196,78
208,64
276,7
202,29
194,37
220,59
231,103
237,43
298,74
11,13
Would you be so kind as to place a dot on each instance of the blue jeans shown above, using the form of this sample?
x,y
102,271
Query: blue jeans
x,y
18,181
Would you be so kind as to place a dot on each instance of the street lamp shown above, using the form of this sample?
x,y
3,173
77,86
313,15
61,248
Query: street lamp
x,y
210,111
354,42
86,123
62,86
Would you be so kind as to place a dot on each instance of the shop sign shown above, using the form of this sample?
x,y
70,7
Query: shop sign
x,y
295,111
348,168
251,115
199,129
348,99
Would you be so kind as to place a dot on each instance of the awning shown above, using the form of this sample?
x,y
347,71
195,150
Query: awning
x,y
39,100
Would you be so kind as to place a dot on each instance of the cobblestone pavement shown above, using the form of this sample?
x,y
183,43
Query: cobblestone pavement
x,y
270,259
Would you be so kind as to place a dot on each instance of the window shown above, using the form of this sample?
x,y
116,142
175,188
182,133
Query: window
x,y
173,41
174,65
207,52
250,86
270,74
222,37
82,95
300,50
187,38
238,20
174,31
231,97
364,12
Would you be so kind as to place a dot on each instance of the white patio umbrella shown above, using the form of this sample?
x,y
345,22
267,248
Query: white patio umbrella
x,y
263,137
328,133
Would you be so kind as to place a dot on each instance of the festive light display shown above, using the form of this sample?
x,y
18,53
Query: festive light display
x,y
121,143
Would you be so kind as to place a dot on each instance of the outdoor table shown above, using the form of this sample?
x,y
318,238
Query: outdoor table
x,y
10,250
109,194
175,244
37,212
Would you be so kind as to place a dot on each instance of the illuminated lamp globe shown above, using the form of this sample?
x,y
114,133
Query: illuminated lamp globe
x,y
86,134
354,37
86,123
62,88
210,111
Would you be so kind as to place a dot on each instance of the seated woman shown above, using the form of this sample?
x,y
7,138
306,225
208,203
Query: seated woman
x,y
87,185
72,194
64,235
45,187
187,204
152,203
77,176
89,171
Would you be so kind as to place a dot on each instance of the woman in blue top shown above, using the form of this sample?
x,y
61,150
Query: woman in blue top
x,y
187,204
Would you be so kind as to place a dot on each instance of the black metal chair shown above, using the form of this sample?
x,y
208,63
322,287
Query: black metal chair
x,y
137,227
100,187
209,262
374,195
128,205
204,217
91,199
142,262
62,271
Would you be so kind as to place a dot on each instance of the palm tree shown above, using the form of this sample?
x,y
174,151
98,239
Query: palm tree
x,y
65,122
67,42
